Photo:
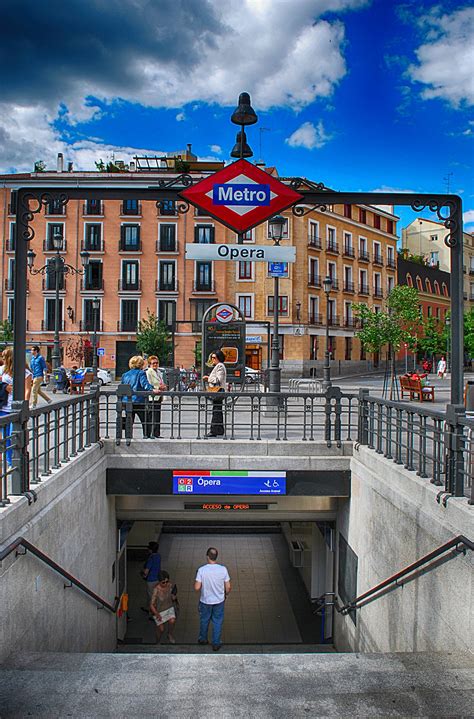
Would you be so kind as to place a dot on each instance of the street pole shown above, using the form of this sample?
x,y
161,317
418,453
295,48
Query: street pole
x,y
327,283
448,338
56,356
275,375
406,358
95,309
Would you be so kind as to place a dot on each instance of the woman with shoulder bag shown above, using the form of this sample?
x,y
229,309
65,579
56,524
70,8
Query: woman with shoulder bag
x,y
217,381
155,378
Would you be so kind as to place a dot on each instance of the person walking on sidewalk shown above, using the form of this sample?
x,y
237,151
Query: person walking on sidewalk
x,y
213,581
38,370
155,378
217,381
163,605
151,570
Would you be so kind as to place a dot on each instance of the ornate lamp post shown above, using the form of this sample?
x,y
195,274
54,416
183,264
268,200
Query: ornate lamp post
x,y
95,359
243,115
327,285
58,269
276,225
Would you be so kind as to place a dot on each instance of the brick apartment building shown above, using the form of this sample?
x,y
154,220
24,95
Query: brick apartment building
x,y
137,263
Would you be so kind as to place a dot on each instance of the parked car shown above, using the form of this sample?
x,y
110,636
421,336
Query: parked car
x,y
252,376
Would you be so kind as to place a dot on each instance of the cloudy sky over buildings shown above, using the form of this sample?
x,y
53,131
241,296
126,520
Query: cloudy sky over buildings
x,y
358,94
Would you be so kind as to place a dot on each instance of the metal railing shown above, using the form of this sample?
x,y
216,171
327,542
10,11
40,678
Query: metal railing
x,y
315,242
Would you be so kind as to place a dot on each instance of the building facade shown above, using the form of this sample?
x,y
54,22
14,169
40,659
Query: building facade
x,y
137,263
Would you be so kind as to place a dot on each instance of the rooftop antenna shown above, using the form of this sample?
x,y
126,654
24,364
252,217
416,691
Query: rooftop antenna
x,y
447,181
261,129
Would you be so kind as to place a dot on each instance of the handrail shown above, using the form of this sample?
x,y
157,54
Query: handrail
x,y
453,543
22,542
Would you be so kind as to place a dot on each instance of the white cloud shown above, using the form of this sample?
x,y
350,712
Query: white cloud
x,y
446,61
180,117
309,136
468,217
217,149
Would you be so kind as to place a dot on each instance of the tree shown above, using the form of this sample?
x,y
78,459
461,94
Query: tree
x,y
469,333
153,337
76,349
433,340
6,333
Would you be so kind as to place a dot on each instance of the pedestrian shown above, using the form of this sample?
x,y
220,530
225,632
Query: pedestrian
x,y
441,368
151,571
137,379
217,381
6,408
163,606
155,378
213,581
38,370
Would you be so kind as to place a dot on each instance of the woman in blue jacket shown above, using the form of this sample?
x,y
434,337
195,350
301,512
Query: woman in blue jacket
x,y
137,379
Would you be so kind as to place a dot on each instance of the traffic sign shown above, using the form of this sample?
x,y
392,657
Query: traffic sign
x,y
100,351
278,269
241,195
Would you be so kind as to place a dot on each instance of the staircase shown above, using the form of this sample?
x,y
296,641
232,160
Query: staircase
x,y
237,685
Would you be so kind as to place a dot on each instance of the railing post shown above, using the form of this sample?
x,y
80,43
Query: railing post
x,y
94,415
454,450
123,390
363,422
19,439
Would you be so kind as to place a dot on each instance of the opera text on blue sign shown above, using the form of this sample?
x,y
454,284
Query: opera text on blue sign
x,y
218,482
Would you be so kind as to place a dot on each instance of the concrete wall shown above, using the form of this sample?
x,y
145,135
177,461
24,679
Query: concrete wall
x,y
73,521
391,520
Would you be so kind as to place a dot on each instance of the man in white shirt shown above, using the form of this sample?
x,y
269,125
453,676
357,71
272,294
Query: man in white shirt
x,y
213,581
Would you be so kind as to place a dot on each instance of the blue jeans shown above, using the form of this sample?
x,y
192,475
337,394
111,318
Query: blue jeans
x,y
211,613
7,433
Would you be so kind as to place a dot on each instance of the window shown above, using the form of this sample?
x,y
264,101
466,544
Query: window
x,y
390,227
11,274
348,249
377,253
50,313
129,315
89,318
377,285
348,348
348,281
55,207
313,234
167,276
409,280
332,312
11,237
362,216
204,234
203,276
50,276
429,310
282,305
377,221
314,278
331,236
11,309
314,318
93,207
434,259
314,348
245,270
428,285
52,229
248,236
167,208
348,211
284,235
93,237
419,284
167,312
433,238
93,277
445,289
390,284
167,238
436,286
390,257
438,313
13,202
130,270
130,238
131,207
198,308
245,305
332,270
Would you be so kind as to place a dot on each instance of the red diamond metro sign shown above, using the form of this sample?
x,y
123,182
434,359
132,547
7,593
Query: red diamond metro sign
x,y
241,195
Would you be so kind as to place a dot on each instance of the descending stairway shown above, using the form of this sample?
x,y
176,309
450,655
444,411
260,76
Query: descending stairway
x,y
237,685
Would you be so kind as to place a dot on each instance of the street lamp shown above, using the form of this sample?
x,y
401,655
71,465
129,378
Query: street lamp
x,y
327,285
95,359
243,115
276,226
58,268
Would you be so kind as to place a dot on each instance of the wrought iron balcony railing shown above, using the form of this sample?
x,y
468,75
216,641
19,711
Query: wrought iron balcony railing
x,y
130,210
10,244
130,246
161,286
315,319
49,283
314,242
364,256
391,264
378,292
348,286
127,325
48,325
332,247
124,286
204,286
88,326
348,251
89,246
96,209
363,289
96,285
48,246
314,281
378,260
166,246
334,321
351,322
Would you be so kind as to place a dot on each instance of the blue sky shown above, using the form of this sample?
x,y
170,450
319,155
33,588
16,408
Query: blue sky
x,y
358,94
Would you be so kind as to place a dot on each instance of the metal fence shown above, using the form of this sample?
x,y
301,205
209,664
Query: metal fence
x,y
437,445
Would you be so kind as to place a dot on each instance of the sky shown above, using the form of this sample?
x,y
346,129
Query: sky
x,y
362,95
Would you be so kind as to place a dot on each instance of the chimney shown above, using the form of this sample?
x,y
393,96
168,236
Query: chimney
x,y
60,165
70,166
188,147
131,166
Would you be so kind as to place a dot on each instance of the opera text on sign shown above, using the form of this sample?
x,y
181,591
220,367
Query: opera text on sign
x,y
238,253
241,195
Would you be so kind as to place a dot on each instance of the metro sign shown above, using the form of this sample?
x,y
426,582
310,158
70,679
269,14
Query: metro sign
x,y
241,196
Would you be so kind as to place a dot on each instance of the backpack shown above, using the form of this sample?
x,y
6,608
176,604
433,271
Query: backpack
x,y
3,394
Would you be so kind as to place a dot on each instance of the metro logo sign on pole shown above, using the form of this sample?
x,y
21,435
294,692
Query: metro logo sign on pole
x,y
241,196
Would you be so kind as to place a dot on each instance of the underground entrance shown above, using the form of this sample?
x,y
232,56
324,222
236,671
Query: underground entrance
x,y
276,569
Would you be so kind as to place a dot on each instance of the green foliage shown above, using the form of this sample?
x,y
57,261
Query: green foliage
x,y
198,353
100,165
181,165
434,338
469,333
153,337
40,166
6,333
398,324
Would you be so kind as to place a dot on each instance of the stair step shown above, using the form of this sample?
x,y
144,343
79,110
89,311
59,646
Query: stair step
x,y
225,649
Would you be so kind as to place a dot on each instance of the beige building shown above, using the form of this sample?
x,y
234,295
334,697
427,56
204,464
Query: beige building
x,y
426,238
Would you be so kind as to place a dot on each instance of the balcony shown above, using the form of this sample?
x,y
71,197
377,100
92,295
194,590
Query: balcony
x,y
391,264
364,256
364,290
88,246
161,286
335,284
130,246
378,260
49,283
95,209
315,242
12,208
48,325
9,284
94,285
349,287
348,251
351,322
166,208
88,326
334,321
127,325
332,248
10,244
124,286
48,246
378,292
167,246
131,211
314,281
54,209
315,319
204,286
